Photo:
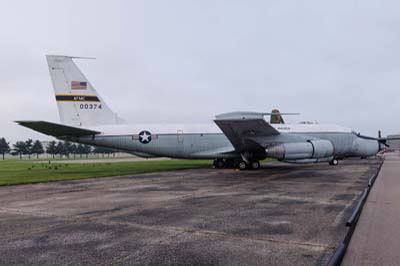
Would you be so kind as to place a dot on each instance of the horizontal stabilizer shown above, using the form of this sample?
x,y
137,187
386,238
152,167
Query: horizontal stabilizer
x,y
57,130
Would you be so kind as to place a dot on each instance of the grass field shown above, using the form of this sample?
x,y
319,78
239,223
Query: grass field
x,y
14,172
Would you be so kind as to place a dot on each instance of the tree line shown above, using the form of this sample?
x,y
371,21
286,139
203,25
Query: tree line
x,y
54,148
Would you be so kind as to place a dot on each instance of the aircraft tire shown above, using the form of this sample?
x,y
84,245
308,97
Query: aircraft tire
x,y
218,163
334,162
229,163
255,165
242,165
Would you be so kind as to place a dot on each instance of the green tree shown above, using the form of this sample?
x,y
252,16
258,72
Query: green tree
x,y
51,148
60,149
86,149
20,148
28,147
74,149
4,147
67,148
103,151
79,149
37,148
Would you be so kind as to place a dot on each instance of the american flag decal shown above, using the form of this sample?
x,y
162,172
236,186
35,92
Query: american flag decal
x,y
78,85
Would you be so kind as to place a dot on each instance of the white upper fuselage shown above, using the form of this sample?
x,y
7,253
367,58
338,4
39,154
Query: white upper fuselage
x,y
127,129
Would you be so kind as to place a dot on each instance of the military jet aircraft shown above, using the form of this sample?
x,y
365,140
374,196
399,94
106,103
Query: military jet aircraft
x,y
237,139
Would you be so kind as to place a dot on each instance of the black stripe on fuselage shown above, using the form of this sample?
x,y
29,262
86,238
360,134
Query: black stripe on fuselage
x,y
77,98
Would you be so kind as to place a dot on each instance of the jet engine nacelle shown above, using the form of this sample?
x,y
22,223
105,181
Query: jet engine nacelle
x,y
312,149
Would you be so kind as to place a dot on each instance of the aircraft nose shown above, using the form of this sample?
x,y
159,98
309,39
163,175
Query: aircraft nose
x,y
366,147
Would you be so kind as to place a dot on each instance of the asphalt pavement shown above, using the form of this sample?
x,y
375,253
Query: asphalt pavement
x,y
279,215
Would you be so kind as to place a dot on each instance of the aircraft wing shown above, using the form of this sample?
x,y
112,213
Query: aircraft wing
x,y
241,127
57,130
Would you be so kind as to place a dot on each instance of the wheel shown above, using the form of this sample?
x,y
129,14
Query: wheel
x,y
229,163
255,165
334,162
214,164
242,165
218,163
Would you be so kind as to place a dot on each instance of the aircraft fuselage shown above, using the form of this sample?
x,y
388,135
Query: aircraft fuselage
x,y
210,145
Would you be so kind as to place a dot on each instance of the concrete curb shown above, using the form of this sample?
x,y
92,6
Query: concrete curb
x,y
338,256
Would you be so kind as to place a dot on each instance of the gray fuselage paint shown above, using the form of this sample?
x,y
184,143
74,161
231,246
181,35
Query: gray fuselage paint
x,y
217,145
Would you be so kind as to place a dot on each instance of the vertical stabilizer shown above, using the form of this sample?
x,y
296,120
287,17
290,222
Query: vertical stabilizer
x,y
78,102
276,117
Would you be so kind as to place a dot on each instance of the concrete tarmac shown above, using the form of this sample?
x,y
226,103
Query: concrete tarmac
x,y
280,215
376,239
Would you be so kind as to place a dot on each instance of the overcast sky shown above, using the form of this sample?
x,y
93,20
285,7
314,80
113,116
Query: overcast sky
x,y
186,61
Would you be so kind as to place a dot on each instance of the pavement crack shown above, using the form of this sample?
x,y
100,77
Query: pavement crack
x,y
186,230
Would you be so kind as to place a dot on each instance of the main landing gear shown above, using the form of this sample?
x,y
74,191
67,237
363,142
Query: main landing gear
x,y
239,164
224,163
242,165
253,165
219,163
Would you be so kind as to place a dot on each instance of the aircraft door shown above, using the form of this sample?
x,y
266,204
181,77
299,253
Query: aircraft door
x,y
180,136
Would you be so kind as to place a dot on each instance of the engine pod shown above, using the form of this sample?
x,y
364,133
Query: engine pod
x,y
301,150
322,148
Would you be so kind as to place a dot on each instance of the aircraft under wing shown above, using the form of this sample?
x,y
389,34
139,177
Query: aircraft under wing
x,y
241,127
57,130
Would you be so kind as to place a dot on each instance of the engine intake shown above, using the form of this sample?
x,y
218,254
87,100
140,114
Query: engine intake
x,y
312,149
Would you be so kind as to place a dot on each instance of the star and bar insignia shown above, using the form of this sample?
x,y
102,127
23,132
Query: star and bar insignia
x,y
144,137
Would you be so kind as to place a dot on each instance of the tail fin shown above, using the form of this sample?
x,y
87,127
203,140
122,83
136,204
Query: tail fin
x,y
276,117
78,102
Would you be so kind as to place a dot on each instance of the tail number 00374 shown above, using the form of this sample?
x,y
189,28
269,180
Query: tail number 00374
x,y
90,106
